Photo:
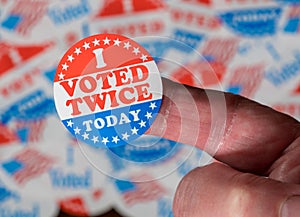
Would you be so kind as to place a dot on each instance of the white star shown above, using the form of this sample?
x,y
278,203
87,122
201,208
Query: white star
x,y
144,57
95,139
96,42
86,45
117,42
106,41
142,123
148,115
77,130
70,123
152,105
65,66
136,50
125,136
77,51
61,76
85,136
115,139
105,140
134,131
70,58
127,45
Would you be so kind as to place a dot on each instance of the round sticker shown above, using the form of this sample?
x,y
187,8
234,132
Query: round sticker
x,y
107,90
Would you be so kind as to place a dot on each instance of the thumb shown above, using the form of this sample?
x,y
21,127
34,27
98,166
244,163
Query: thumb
x,y
220,191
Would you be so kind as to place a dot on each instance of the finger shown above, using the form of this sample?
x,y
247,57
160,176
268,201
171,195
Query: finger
x,y
171,114
287,167
220,191
254,137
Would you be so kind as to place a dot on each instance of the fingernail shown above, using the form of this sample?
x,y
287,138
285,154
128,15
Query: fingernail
x,y
291,207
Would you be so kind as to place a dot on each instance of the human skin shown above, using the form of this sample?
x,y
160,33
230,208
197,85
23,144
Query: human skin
x,y
257,167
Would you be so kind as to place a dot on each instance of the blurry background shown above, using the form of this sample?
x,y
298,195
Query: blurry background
x,y
247,47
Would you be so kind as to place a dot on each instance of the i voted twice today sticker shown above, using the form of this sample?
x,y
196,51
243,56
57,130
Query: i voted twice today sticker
x,y
107,90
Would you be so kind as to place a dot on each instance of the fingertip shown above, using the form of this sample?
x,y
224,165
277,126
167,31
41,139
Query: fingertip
x,y
189,194
184,200
291,208
220,191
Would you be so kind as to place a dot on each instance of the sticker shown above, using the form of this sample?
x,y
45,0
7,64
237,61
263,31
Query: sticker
x,y
26,165
20,19
107,90
78,188
253,22
131,18
146,149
